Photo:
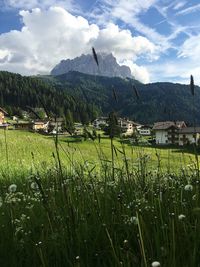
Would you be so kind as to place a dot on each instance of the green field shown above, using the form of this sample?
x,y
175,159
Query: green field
x,y
81,205
19,150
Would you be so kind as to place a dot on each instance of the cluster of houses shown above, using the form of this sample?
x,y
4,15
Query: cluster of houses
x,y
127,126
176,133
165,133
45,125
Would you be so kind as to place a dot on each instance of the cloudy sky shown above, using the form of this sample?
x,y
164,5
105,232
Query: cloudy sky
x,y
158,39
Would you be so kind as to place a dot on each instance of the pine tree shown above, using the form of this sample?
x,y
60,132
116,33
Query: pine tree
x,y
69,122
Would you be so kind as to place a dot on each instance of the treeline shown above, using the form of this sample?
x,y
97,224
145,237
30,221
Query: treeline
x,y
18,93
146,104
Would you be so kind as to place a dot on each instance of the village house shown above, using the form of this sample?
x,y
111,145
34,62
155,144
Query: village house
x,y
56,125
40,126
3,124
23,125
189,135
144,130
2,115
101,121
128,127
167,132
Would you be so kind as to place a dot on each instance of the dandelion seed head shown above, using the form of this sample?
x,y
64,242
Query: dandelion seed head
x,y
12,188
188,187
34,186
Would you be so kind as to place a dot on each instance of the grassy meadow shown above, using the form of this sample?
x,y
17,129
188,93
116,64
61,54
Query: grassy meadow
x,y
21,150
69,202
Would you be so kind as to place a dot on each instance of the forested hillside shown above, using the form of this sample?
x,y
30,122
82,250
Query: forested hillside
x,y
151,102
17,93
87,96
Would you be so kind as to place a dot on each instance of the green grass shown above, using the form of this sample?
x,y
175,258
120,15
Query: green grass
x,y
79,218
24,149
78,208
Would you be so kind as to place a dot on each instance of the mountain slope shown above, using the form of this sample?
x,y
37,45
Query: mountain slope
x,y
18,93
157,101
108,66
88,96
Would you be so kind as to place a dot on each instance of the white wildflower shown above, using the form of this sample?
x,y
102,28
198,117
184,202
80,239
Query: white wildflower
x,y
155,264
188,187
181,217
133,220
34,186
12,188
194,197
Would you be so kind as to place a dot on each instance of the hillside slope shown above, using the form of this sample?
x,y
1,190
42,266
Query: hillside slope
x,y
156,102
88,96
18,93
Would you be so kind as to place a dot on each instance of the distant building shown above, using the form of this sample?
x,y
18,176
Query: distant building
x,y
189,135
144,130
24,125
40,126
2,115
56,125
101,121
15,118
167,132
127,126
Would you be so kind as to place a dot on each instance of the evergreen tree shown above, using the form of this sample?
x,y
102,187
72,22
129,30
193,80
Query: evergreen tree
x,y
69,122
113,128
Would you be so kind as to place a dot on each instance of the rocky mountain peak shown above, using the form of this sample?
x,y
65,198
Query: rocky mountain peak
x,y
108,66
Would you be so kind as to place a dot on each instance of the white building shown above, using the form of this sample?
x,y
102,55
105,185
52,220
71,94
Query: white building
x,y
144,130
189,135
128,127
167,132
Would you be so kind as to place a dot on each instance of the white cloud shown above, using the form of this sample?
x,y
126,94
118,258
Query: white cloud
x,y
130,13
179,5
49,36
175,71
140,73
191,48
43,4
189,10
122,44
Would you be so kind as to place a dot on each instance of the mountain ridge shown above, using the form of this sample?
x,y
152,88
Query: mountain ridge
x,y
108,66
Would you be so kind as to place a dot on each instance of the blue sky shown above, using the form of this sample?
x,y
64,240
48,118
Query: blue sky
x,y
158,39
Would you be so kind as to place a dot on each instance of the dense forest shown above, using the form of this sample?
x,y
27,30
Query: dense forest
x,y
18,93
86,97
145,103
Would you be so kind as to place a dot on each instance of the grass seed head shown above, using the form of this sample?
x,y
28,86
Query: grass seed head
x,y
155,264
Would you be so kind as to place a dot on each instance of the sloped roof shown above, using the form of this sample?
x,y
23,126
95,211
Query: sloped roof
x,y
164,125
189,130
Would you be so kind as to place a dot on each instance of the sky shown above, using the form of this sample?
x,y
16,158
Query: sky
x,y
158,39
